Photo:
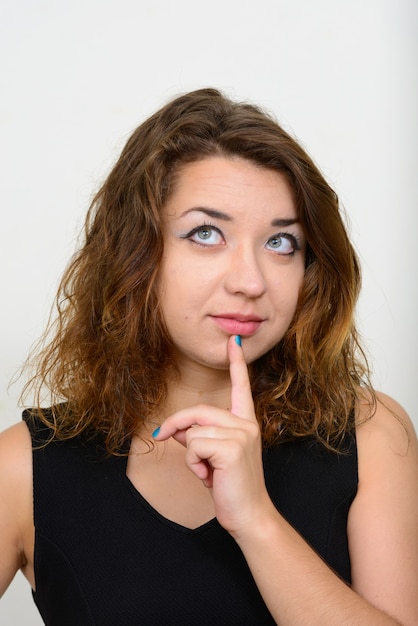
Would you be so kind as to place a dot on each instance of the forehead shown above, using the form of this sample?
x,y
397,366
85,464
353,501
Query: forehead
x,y
231,184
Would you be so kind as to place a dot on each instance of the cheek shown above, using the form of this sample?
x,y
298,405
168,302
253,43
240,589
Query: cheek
x,y
172,287
179,303
186,287
286,294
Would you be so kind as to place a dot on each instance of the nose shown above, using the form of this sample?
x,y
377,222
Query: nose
x,y
244,275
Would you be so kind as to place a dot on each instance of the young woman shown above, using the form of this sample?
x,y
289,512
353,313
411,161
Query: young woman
x,y
214,452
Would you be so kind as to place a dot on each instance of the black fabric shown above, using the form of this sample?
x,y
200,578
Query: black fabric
x,y
105,557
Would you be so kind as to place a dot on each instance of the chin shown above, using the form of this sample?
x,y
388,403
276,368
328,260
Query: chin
x,y
221,364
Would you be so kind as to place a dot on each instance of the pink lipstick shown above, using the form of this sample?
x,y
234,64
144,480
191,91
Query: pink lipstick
x,y
236,324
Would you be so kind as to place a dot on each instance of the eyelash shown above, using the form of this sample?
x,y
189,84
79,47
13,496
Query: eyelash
x,y
293,239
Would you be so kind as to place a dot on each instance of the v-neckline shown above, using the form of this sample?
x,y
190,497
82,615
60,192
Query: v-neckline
x,y
166,520
138,495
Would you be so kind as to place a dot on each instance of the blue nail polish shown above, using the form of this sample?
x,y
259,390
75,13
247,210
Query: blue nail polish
x,y
238,340
156,431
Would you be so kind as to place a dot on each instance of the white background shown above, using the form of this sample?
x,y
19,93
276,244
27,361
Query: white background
x,y
78,76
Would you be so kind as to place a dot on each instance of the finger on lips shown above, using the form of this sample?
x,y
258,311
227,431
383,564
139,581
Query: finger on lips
x,y
203,415
241,397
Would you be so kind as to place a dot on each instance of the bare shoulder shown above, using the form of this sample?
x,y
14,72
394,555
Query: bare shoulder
x,y
16,471
15,449
387,455
16,510
385,428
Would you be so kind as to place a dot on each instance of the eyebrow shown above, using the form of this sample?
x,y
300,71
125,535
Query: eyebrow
x,y
220,215
285,222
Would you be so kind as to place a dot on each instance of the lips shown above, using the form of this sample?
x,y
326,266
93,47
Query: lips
x,y
236,324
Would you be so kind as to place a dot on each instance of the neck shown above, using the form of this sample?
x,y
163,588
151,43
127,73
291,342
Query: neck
x,y
196,384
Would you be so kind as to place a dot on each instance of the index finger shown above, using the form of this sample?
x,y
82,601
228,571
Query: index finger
x,y
242,403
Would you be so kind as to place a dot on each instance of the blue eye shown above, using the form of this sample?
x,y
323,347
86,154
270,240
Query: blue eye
x,y
205,235
283,243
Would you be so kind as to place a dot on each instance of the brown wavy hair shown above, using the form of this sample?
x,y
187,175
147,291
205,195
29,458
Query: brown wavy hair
x,y
107,356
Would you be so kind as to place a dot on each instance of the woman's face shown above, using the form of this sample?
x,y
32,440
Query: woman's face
x,y
233,260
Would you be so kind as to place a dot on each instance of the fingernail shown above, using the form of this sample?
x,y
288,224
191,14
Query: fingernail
x,y
238,340
156,431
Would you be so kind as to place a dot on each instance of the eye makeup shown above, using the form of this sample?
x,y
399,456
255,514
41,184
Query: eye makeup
x,y
204,235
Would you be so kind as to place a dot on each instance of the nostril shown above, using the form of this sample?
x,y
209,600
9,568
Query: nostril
x,y
248,282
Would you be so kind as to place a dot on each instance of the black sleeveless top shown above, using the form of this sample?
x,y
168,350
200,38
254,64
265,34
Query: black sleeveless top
x,y
105,557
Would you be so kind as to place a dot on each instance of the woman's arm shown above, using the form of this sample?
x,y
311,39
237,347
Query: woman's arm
x,y
15,502
297,586
383,520
383,539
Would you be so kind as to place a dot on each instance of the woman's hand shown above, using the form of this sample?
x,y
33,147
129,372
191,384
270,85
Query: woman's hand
x,y
223,449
